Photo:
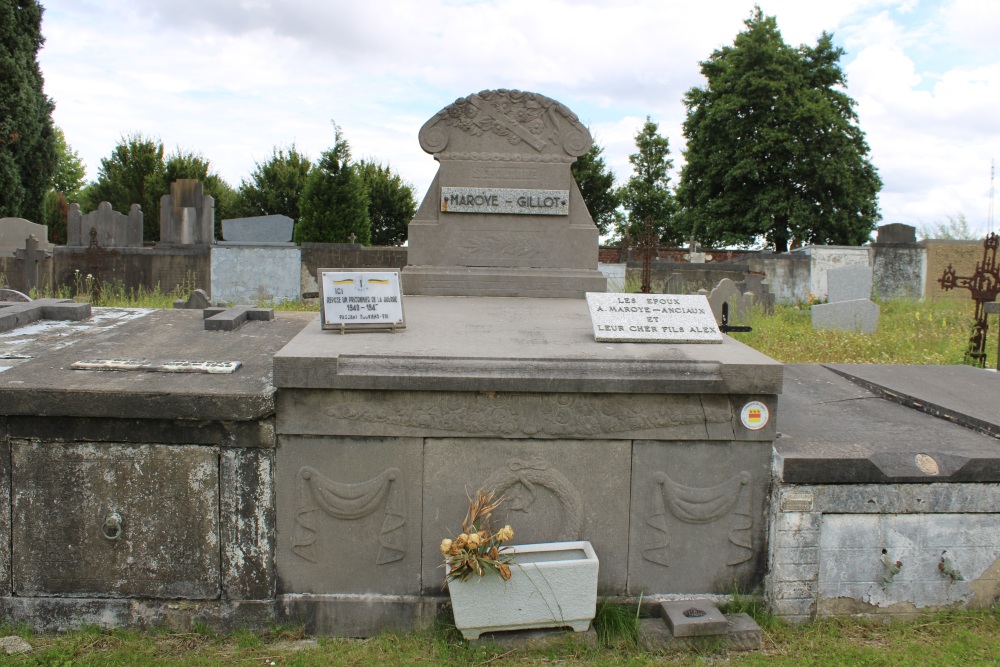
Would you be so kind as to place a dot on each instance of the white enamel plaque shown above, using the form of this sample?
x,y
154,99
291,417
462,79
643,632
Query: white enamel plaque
x,y
361,299
652,318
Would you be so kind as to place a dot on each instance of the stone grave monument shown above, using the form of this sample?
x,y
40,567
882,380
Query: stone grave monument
x,y
187,214
14,231
111,229
256,261
504,215
849,305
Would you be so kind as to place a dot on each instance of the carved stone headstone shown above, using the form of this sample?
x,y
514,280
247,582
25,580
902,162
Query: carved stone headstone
x,y
13,231
504,215
187,214
197,300
114,229
896,232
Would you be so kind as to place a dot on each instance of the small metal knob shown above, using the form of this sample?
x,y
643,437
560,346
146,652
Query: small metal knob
x,y
112,528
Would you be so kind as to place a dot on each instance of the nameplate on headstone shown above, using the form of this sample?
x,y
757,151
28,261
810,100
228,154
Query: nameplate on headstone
x,y
500,200
652,318
358,300
157,366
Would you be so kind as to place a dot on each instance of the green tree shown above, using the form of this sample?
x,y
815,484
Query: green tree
x,y
334,203
597,185
28,155
134,173
275,186
647,193
67,182
181,164
391,205
773,147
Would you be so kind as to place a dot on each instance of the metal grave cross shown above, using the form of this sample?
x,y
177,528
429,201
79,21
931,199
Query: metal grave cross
x,y
984,283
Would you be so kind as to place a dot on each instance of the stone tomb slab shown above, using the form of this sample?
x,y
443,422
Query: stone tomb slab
x,y
652,318
966,395
133,521
349,513
698,517
258,229
694,618
554,491
848,283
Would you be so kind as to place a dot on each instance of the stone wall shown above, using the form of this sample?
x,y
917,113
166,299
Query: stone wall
x,y
249,274
962,255
189,267
788,275
317,256
898,271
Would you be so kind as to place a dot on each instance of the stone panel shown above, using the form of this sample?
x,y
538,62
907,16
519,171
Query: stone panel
x,y
509,415
698,517
348,515
554,491
4,510
115,520
255,274
247,502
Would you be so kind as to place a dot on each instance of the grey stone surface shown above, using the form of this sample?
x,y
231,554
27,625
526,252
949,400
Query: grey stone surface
x,y
5,543
360,615
19,314
197,300
694,618
849,283
827,433
247,506
349,515
231,319
502,200
133,521
14,645
14,231
513,415
104,227
256,274
503,140
859,315
258,229
962,394
896,232
13,296
992,308
187,214
652,318
554,491
697,520
744,635
525,345
245,434
899,271
534,640
45,386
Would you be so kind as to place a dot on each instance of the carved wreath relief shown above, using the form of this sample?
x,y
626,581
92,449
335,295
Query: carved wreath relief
x,y
341,500
517,482
699,505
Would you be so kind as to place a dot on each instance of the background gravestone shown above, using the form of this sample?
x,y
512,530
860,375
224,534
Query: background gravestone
x,y
504,215
187,214
114,229
847,283
257,230
850,307
14,232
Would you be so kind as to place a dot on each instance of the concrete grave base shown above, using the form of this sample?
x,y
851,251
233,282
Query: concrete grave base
x,y
360,615
743,635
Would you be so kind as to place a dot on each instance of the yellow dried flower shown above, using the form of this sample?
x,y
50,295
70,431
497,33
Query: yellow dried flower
x,y
461,540
445,546
504,571
505,533
474,540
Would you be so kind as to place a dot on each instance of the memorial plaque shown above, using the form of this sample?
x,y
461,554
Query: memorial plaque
x,y
652,318
501,200
361,299
167,366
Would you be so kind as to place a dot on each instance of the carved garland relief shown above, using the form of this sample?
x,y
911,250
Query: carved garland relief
x,y
517,483
699,505
341,500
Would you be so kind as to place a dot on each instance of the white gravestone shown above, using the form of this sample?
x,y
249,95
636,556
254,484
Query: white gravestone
x,y
361,299
652,318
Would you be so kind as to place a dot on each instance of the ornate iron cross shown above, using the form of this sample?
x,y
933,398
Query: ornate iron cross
x,y
984,284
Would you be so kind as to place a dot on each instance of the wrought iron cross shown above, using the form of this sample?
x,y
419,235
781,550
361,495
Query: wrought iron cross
x,y
984,284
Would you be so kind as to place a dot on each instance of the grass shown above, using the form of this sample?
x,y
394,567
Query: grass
x,y
953,638
909,332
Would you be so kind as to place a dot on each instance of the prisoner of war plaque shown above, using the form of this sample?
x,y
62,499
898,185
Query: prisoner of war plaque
x,y
360,300
652,318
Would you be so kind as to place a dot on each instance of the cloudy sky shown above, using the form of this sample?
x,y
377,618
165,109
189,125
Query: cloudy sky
x,y
231,79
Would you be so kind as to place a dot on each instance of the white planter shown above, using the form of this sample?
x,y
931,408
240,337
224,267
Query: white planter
x,y
551,585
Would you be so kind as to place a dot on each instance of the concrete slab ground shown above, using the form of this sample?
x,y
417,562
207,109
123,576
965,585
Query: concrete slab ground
x,y
833,431
963,394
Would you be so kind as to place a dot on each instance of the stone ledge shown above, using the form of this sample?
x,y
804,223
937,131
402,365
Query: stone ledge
x,y
744,635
